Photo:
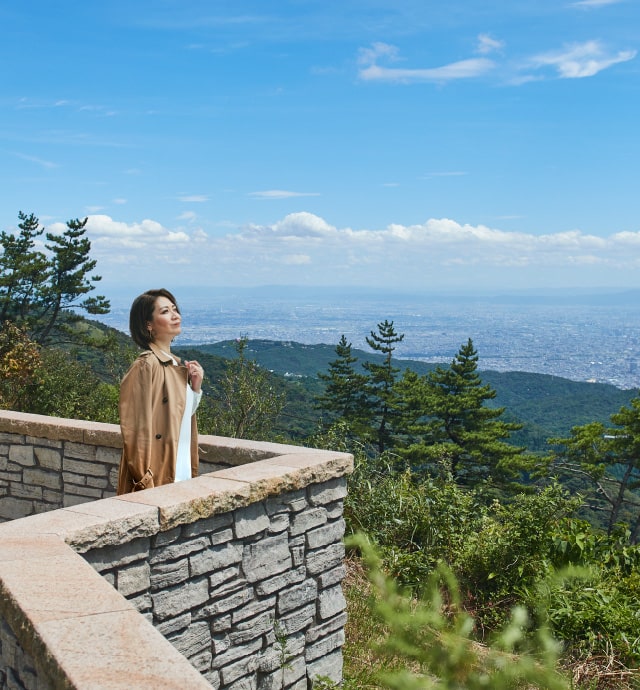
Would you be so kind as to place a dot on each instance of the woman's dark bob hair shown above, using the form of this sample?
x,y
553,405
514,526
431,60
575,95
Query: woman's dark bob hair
x,y
142,312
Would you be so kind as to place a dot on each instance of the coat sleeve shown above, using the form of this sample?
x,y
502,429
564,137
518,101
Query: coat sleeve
x,y
136,423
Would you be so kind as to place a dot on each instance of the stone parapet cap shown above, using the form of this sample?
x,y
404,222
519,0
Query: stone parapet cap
x,y
215,449
79,630
60,429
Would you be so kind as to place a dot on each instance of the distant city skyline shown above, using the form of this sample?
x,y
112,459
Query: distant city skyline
x,y
366,143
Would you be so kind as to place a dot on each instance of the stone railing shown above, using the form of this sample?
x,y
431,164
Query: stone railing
x,y
230,580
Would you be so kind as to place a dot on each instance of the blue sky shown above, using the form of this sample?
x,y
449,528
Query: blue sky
x,y
403,143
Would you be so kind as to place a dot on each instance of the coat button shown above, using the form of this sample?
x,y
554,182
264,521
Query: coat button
x,y
165,399
158,435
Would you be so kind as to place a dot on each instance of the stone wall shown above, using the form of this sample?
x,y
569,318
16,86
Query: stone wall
x,y
233,576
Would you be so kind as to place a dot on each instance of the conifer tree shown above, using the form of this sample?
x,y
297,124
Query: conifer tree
x,y
23,270
380,383
445,417
610,459
69,280
344,396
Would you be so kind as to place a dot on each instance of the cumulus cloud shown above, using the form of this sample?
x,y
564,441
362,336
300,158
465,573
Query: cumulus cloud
x,y
303,248
580,60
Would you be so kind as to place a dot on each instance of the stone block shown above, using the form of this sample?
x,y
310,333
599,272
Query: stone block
x,y
330,533
179,549
118,556
331,602
80,451
230,602
327,492
325,558
84,467
215,558
329,666
194,640
168,537
317,631
238,669
170,603
252,608
266,558
22,455
297,596
252,628
133,579
332,577
14,508
48,458
251,520
234,653
295,674
286,579
298,620
307,520
218,578
165,575
42,477
173,625
324,646
208,525
279,523
27,491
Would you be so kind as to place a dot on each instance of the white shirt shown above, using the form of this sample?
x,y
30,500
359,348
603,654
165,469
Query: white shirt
x,y
183,460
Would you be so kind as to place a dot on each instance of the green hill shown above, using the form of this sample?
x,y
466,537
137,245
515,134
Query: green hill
x,y
547,405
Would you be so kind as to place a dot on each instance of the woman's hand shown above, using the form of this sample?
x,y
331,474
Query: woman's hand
x,y
196,374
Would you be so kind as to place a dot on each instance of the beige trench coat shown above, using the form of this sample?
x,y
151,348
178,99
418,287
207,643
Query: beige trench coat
x,y
152,400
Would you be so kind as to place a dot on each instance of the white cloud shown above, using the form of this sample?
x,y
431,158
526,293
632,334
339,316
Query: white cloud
x,y
580,60
487,44
38,161
596,3
370,70
463,69
280,194
302,248
194,198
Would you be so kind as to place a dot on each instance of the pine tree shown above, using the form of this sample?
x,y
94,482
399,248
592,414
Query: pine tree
x,y
69,280
445,417
609,458
344,396
23,270
380,383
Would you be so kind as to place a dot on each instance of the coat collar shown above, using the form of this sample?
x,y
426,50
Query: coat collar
x,y
162,356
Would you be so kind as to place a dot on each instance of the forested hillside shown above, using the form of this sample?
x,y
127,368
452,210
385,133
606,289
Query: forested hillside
x,y
547,406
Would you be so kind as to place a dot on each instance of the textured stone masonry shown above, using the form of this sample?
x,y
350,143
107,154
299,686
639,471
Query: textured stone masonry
x,y
233,576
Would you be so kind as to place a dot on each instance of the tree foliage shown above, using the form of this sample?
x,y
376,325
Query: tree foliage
x,y
244,402
609,458
447,420
36,287
380,383
344,397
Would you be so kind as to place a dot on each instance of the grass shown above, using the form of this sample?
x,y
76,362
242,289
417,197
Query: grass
x,y
362,664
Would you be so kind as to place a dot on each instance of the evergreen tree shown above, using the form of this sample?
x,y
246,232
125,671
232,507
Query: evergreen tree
x,y
445,418
344,396
609,458
380,383
23,270
69,279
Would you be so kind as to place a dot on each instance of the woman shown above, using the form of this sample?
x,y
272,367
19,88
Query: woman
x,y
158,400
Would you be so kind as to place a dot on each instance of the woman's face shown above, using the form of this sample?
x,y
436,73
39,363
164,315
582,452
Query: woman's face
x,y
165,321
